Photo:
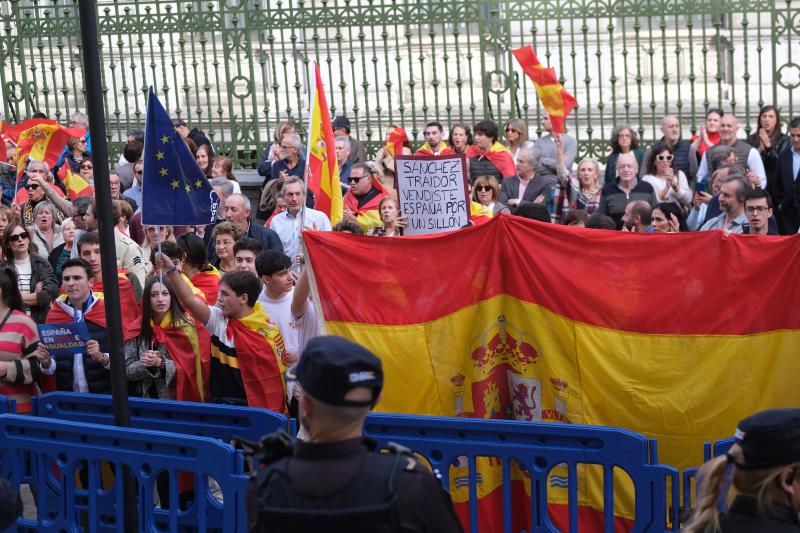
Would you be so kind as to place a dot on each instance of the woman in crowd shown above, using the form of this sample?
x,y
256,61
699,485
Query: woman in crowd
x,y
76,153
576,218
6,216
670,185
668,217
623,140
46,233
165,233
486,192
766,479
205,159
516,136
86,169
581,191
769,141
63,251
393,221
36,195
488,156
37,283
121,212
707,137
223,168
225,235
19,368
202,274
460,138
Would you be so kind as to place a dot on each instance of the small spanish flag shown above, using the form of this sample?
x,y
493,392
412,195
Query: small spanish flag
x,y
555,98
77,187
394,143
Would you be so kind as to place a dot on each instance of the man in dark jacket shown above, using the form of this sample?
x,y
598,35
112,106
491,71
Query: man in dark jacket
x,y
87,371
237,210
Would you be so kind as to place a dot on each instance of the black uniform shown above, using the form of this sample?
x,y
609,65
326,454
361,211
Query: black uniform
x,y
334,476
744,517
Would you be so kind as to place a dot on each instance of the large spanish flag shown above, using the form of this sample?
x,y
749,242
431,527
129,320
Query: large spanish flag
x,y
676,336
323,170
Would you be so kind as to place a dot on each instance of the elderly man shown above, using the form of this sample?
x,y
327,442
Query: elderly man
x,y
40,186
747,157
288,224
341,128
237,210
671,130
527,186
343,148
362,200
626,188
732,195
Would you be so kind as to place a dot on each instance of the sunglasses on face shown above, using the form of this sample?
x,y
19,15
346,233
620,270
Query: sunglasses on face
x,y
664,157
17,237
87,167
32,186
355,179
511,130
483,188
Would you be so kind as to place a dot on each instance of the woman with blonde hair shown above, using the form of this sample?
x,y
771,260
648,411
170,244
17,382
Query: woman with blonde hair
x,y
516,136
486,192
766,460
581,191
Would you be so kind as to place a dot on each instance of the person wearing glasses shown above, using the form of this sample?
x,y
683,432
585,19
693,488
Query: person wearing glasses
x,y
291,163
40,188
516,136
86,169
623,140
758,210
669,183
135,192
76,153
36,280
486,191
362,200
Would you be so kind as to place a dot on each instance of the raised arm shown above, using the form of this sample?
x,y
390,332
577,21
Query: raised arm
x,y
197,308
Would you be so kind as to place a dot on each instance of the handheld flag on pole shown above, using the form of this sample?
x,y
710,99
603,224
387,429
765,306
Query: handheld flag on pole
x,y
77,187
554,97
174,189
322,171
40,140
394,143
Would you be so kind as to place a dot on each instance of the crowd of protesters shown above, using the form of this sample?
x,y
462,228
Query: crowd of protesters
x,y
213,279
218,312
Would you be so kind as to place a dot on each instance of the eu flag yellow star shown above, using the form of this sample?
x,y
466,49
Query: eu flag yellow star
x,y
175,184
159,155
165,139
163,171
188,188
198,184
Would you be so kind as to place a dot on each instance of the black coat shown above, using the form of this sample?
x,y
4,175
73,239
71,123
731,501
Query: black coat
x,y
787,193
40,271
97,377
743,517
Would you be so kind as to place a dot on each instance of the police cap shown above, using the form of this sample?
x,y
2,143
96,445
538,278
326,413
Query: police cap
x,y
332,366
769,438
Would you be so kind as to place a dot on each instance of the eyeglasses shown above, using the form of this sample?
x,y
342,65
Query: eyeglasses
x,y
32,186
511,130
18,236
667,157
760,209
87,167
356,179
82,141
286,147
483,188
138,172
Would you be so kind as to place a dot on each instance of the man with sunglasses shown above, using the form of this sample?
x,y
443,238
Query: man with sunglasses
x,y
362,200
135,192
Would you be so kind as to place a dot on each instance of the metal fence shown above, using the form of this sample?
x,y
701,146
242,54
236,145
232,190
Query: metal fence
x,y
234,68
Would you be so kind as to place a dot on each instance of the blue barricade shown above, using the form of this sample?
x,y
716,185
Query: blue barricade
x,y
538,448
72,452
187,418
710,451
7,405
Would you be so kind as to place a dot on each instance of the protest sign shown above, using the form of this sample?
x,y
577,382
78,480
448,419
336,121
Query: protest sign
x,y
64,339
433,193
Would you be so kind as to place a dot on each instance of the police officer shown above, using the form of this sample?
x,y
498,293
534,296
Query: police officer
x,y
336,480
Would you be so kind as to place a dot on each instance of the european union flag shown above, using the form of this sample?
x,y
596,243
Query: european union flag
x,y
174,189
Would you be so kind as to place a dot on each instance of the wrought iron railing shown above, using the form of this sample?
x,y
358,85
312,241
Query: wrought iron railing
x,y
234,68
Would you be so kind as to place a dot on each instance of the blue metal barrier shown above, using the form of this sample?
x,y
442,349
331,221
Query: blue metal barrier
x,y
7,405
65,448
710,451
539,448
187,418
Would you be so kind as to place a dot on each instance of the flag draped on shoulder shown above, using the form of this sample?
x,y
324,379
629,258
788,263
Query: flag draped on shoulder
x,y
554,97
571,325
322,176
175,191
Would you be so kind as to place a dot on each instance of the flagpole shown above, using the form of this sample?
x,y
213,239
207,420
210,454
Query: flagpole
x,y
312,93
105,223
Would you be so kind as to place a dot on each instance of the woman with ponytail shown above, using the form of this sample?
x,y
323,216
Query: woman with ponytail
x,y
765,478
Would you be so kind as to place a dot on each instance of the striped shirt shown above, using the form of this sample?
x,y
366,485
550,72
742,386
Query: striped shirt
x,y
18,339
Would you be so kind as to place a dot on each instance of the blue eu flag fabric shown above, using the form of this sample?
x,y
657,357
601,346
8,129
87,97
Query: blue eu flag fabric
x,y
174,189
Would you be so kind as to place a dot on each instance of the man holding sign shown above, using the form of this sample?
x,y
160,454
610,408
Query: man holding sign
x,y
87,370
433,193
